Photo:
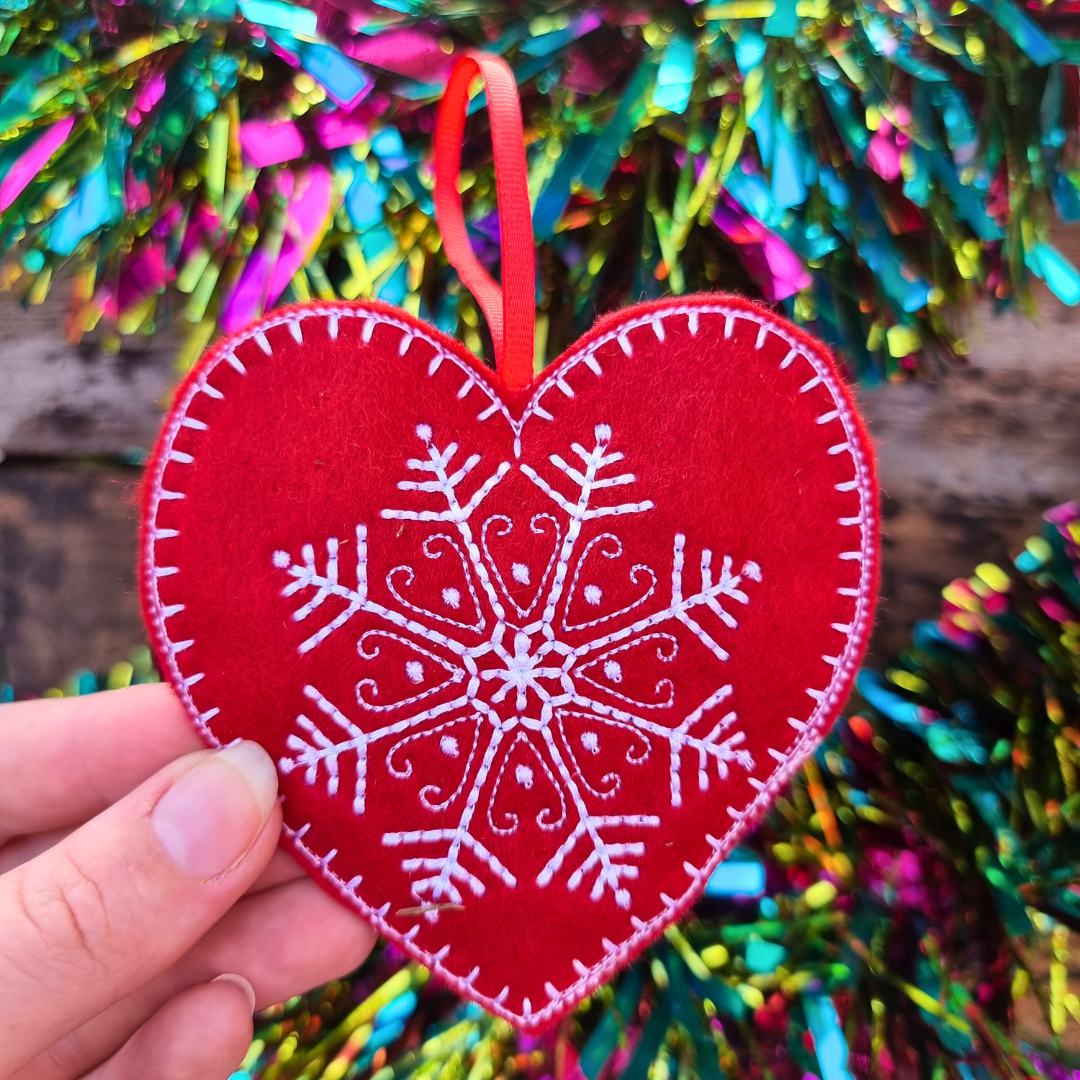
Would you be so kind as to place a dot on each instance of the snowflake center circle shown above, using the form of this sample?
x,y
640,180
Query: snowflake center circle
x,y
522,671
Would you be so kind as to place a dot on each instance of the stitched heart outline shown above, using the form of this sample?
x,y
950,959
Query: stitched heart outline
x,y
718,320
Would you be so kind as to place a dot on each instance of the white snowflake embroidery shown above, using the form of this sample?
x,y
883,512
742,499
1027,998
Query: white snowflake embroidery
x,y
511,694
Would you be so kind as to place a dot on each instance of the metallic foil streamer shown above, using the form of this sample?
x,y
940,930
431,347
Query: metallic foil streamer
x,y
864,164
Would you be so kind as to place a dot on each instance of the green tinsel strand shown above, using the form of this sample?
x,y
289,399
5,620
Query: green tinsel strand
x,y
866,165
910,885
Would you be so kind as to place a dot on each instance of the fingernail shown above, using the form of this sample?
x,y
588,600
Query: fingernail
x,y
213,812
239,980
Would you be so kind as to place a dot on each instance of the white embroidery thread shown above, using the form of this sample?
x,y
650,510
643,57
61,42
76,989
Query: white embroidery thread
x,y
519,678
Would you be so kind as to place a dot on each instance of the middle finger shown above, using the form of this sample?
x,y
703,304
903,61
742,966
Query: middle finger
x,y
284,941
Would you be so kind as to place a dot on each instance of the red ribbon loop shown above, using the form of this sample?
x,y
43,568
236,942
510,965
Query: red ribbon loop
x,y
510,310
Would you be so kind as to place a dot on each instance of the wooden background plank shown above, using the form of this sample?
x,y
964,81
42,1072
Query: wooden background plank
x,y
969,460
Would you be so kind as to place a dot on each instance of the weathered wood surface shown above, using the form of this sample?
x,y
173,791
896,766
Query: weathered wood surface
x,y
67,570
969,460
59,400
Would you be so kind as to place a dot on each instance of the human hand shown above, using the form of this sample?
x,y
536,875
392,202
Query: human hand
x,y
145,908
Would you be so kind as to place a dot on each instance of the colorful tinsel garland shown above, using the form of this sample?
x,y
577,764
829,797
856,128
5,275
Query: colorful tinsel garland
x,y
865,164
906,911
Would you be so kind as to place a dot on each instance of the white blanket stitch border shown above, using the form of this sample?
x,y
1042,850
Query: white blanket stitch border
x,y
788,762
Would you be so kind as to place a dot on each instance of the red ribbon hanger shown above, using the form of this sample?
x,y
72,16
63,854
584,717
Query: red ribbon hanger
x,y
511,309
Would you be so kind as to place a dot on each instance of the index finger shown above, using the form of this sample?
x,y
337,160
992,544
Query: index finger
x,y
66,759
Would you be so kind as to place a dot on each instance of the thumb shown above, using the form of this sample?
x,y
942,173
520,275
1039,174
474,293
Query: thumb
x,y
124,897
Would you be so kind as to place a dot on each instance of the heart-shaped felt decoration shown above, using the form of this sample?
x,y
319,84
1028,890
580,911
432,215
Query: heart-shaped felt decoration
x,y
532,658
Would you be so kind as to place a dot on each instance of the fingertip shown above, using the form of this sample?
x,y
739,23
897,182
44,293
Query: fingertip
x,y
204,1033
122,899
239,981
328,941
257,768
212,813
286,940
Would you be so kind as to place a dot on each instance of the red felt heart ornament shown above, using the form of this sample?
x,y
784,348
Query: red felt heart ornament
x,y
532,655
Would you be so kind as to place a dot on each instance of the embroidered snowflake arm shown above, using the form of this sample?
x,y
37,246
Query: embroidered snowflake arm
x,y
444,482
319,749
447,484
580,511
587,482
609,860
306,575
445,870
722,752
728,585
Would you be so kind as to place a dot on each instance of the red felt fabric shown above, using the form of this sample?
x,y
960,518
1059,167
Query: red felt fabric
x,y
740,438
